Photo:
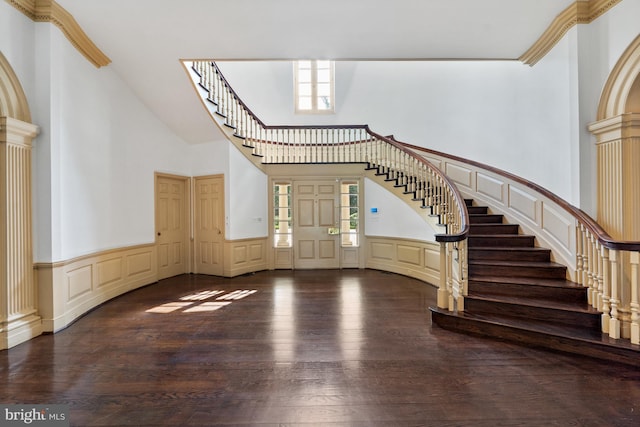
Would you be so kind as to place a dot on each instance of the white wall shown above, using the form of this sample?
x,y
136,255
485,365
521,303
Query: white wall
x,y
98,149
110,147
248,206
385,223
17,42
502,113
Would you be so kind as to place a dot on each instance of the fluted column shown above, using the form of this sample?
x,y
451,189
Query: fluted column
x,y
618,155
19,319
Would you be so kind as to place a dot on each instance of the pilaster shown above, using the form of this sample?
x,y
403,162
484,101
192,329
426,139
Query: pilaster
x,y
618,154
19,319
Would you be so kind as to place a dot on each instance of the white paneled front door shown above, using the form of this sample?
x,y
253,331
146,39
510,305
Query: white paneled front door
x,y
316,238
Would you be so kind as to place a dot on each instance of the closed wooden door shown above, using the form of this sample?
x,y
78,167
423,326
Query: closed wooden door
x,y
172,225
209,225
316,225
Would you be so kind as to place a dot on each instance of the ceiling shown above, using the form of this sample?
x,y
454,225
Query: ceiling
x,y
145,39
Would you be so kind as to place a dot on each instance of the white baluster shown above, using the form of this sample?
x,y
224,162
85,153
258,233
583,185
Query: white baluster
x,y
614,301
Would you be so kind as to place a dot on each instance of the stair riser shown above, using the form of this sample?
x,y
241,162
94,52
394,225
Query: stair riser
x,y
506,241
527,312
476,229
509,255
550,272
485,219
477,209
576,295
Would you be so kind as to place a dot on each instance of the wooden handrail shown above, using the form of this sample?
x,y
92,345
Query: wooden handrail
x,y
464,226
276,127
235,95
602,236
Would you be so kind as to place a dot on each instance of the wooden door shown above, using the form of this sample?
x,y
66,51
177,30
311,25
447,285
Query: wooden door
x,y
316,225
209,225
172,225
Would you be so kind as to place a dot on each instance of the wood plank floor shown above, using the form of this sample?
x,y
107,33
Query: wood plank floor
x,y
310,348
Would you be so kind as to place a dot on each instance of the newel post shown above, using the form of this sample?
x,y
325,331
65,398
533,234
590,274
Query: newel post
x,y
443,294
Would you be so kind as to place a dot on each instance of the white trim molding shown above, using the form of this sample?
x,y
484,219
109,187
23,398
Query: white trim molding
x,y
50,11
579,12
69,289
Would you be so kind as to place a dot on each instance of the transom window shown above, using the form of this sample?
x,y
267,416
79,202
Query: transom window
x,y
314,86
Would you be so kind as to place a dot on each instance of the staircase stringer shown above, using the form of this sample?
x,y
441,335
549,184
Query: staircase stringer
x,y
228,131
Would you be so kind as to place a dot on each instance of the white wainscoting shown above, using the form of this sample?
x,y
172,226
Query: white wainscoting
x,y
536,214
69,289
413,258
245,256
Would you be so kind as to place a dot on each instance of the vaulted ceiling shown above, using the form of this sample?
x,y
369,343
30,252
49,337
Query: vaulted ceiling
x,y
145,39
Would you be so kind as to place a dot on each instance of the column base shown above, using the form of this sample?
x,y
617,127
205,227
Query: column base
x,y
20,330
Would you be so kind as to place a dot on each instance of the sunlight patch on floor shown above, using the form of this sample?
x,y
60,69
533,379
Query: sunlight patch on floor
x,y
207,306
189,300
169,307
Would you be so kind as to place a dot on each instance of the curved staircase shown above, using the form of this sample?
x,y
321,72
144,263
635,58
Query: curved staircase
x,y
510,288
517,293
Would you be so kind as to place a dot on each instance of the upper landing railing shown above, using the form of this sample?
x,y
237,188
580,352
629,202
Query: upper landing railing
x,y
349,144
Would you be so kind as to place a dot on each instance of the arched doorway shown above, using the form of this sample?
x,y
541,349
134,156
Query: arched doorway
x,y
19,319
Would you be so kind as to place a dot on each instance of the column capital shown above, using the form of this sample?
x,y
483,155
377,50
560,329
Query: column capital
x,y
616,128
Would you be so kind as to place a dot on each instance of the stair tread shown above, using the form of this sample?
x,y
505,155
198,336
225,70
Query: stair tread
x,y
537,302
528,281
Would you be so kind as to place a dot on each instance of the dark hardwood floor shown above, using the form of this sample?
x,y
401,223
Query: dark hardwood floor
x,y
313,348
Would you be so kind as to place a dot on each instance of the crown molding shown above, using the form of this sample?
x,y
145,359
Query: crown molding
x,y
50,11
580,12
